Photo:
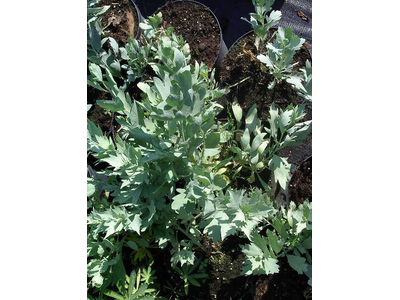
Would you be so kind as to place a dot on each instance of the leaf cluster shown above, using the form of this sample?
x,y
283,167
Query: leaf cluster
x,y
136,287
262,22
166,138
164,179
257,146
279,54
289,235
276,50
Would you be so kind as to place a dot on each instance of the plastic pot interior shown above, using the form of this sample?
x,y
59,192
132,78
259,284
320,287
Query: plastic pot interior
x,y
250,32
140,20
223,50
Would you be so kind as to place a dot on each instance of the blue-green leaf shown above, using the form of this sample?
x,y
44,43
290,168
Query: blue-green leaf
x,y
251,118
135,224
298,263
111,104
245,140
179,201
237,111
95,70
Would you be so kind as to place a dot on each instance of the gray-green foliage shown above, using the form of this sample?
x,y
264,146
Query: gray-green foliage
x,y
262,22
166,170
137,57
105,265
94,30
168,137
303,81
258,146
279,54
289,235
234,212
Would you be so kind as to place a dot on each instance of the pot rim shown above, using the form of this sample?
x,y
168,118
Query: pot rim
x,y
273,27
140,20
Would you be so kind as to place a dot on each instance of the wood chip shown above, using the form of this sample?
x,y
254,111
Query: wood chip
x,y
302,15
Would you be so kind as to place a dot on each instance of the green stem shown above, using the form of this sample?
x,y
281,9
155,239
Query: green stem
x,y
199,215
182,131
191,238
113,295
241,81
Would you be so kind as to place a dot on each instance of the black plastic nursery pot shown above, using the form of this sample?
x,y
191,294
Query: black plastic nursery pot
x,y
199,27
121,20
140,20
241,71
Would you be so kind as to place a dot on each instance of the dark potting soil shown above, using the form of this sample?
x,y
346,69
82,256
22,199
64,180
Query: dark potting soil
x,y
285,285
225,261
297,154
300,186
120,20
241,62
96,114
225,281
197,26
101,118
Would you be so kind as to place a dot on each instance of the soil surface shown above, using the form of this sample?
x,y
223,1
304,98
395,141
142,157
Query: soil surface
x,y
96,114
300,186
286,285
297,154
240,63
225,281
225,261
197,26
120,21
100,116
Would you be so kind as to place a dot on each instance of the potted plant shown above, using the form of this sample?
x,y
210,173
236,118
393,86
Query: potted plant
x,y
199,27
121,20
161,204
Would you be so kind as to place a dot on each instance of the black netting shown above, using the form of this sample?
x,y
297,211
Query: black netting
x,y
291,10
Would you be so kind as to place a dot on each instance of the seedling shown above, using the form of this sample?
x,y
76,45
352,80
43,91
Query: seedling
x,y
262,22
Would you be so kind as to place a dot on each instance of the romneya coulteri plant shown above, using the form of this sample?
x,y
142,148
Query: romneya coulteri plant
x,y
164,180
262,22
277,54
256,147
94,30
276,51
